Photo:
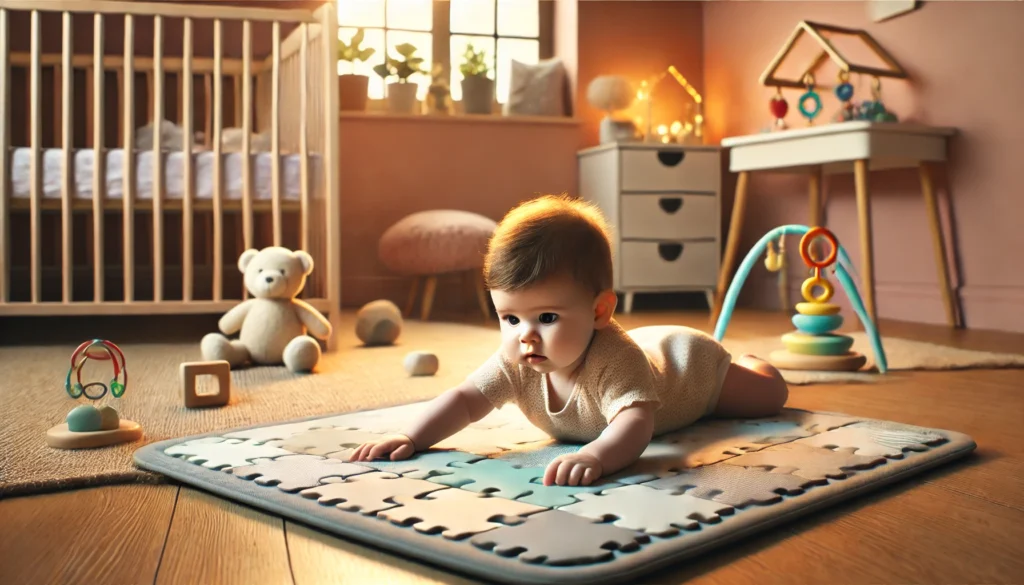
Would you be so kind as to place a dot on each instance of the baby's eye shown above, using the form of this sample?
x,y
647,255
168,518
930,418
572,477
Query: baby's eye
x,y
512,319
548,318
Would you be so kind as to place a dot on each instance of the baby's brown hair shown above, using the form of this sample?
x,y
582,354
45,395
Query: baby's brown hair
x,y
549,235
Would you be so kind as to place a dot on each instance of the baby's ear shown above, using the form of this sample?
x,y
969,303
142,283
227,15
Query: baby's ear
x,y
604,308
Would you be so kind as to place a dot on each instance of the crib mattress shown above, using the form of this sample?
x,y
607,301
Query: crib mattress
x,y
203,163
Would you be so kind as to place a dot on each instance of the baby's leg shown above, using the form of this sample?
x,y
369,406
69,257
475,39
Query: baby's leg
x,y
752,388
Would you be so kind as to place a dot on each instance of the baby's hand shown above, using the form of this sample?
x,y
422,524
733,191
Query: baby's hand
x,y
400,447
573,469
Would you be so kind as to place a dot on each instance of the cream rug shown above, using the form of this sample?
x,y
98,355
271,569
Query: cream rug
x,y
901,354
354,378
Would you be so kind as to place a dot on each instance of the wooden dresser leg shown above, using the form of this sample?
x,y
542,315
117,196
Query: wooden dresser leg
x,y
428,297
860,172
939,243
732,243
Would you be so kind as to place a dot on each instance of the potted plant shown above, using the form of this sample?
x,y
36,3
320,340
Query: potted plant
x,y
477,87
401,93
352,88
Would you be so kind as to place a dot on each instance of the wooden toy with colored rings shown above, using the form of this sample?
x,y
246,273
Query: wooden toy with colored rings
x,y
805,245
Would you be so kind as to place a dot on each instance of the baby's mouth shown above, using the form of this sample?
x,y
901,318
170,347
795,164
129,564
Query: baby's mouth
x,y
534,358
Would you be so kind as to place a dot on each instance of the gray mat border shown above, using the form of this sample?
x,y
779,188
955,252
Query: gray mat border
x,y
465,558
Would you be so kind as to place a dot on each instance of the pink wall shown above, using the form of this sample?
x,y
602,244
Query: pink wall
x,y
963,59
394,166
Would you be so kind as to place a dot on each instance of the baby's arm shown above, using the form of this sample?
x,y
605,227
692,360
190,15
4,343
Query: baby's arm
x,y
446,415
620,444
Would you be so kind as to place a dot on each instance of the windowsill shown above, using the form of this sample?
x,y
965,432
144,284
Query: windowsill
x,y
460,118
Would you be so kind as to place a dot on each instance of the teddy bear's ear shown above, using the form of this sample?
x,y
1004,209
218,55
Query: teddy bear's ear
x,y
246,258
306,260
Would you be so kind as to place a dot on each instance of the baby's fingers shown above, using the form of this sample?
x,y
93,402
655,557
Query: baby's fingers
x,y
577,474
403,452
589,476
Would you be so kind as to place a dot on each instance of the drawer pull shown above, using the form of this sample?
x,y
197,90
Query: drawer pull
x,y
669,252
671,158
670,205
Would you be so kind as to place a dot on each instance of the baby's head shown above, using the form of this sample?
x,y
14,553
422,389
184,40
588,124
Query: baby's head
x,y
549,270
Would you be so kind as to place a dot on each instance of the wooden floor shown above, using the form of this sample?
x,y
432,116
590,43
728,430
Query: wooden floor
x,y
959,524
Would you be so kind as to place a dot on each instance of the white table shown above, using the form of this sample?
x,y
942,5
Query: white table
x,y
833,148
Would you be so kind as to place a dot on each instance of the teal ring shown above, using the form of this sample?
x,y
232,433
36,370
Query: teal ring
x,y
810,95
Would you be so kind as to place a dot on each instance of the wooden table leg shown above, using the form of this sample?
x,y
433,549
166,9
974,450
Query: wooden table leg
x,y
732,243
938,241
860,172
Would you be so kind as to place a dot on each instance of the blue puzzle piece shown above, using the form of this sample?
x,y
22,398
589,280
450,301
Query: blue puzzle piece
x,y
422,464
523,484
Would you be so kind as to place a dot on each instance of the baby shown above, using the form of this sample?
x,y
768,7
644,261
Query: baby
x,y
568,365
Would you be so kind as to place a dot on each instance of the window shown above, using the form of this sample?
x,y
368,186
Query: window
x,y
441,30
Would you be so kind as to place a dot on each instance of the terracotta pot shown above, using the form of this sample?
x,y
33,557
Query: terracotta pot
x,y
477,95
402,98
352,92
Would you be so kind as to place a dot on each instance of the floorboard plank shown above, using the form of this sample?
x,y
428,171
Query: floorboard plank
x,y
214,540
110,534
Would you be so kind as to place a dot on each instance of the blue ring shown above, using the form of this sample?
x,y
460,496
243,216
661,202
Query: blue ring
x,y
810,95
844,91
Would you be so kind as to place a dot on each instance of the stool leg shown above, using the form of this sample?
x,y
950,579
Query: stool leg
x,y
428,297
411,302
481,294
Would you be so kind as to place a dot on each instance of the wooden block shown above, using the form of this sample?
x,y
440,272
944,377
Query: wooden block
x,y
191,370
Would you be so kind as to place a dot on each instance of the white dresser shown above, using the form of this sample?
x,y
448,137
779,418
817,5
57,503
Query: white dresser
x,y
663,204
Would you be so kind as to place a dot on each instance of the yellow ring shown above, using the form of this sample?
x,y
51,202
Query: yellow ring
x,y
809,285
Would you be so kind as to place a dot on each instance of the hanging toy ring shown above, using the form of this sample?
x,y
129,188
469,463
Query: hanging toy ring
x,y
104,351
805,245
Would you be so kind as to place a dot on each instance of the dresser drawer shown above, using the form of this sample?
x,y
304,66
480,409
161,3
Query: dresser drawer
x,y
665,264
670,169
670,217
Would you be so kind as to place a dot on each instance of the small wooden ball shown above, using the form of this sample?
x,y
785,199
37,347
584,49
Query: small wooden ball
x,y
379,323
84,418
109,419
421,363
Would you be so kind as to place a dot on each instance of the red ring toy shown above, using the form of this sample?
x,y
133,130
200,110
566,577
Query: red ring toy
x,y
805,244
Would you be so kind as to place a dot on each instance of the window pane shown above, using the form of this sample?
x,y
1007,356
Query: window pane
x,y
472,16
458,47
424,45
410,14
372,38
361,13
524,51
519,18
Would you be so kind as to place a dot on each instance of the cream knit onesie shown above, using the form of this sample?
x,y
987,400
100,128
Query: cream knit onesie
x,y
679,369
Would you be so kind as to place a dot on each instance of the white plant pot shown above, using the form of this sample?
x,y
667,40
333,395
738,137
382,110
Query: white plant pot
x,y
477,95
402,98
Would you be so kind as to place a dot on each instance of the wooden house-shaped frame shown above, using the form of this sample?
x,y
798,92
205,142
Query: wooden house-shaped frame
x,y
829,51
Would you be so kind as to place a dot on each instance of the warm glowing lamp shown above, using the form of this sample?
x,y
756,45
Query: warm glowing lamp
x,y
696,129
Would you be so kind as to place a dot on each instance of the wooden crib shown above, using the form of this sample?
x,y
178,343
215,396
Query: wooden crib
x,y
99,218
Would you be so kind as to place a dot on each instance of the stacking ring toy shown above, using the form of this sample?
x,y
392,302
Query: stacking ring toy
x,y
805,247
808,287
92,350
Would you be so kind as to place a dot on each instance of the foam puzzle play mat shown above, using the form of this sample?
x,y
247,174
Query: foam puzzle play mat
x,y
476,504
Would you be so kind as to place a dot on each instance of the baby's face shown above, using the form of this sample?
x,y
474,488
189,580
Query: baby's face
x,y
547,326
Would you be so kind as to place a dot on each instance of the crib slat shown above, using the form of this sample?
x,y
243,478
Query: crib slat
x,y
157,105
329,156
218,163
67,185
99,159
188,123
304,139
35,144
275,131
246,138
128,189
5,143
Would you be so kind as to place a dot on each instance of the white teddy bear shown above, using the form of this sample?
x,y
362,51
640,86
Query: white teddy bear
x,y
272,324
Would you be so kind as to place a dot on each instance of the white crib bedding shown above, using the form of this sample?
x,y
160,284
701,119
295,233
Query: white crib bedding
x,y
291,186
